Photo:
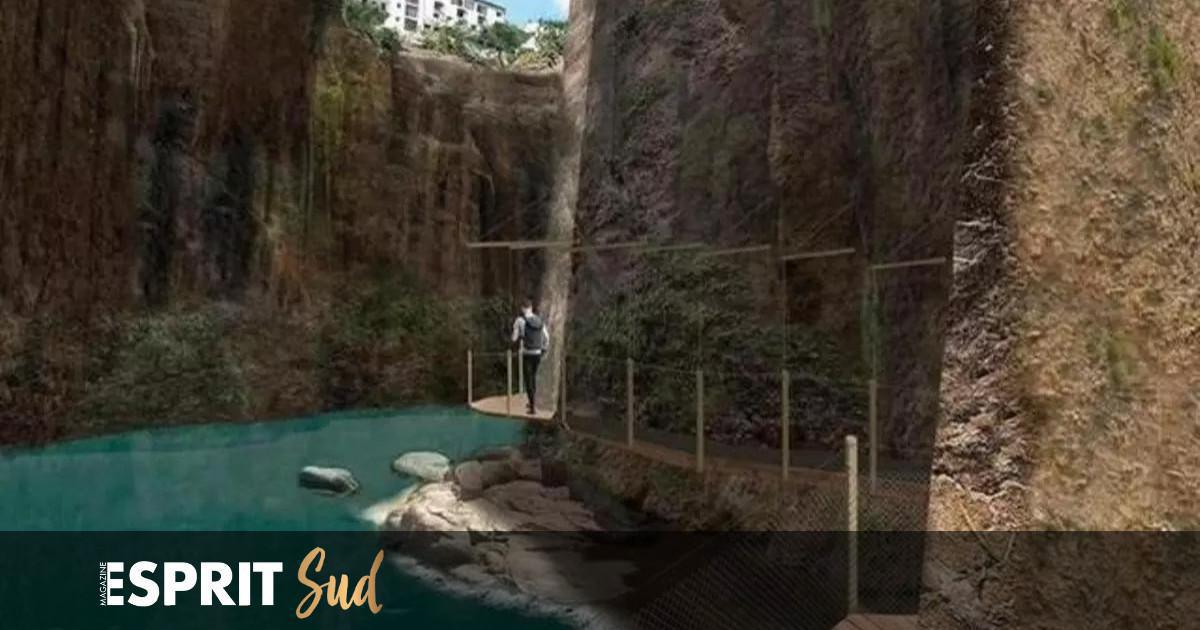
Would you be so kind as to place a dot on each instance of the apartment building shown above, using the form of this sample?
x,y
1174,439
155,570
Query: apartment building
x,y
414,16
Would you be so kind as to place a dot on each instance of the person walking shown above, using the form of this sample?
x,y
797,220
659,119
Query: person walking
x,y
534,336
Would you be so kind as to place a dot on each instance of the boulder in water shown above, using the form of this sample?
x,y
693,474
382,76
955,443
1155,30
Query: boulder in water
x,y
469,476
334,481
494,473
423,465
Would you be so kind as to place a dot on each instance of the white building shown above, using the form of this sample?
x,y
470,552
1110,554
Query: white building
x,y
410,17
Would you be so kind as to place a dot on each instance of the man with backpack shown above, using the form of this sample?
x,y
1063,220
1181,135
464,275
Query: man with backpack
x,y
534,336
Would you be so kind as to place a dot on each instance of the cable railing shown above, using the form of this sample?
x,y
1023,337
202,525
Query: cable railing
x,y
769,420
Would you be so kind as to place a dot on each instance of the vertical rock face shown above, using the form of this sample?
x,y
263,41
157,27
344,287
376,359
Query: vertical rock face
x,y
74,102
1072,359
800,125
156,149
442,153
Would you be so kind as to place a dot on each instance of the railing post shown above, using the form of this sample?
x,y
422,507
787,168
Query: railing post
x,y
700,421
470,377
852,522
629,401
562,391
521,370
785,421
873,429
508,373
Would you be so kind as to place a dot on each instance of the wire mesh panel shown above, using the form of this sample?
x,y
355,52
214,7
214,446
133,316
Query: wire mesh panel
x,y
665,408
743,414
490,375
822,412
595,396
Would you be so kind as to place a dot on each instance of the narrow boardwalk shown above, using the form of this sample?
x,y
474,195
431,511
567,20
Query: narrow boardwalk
x,y
878,622
500,406
677,455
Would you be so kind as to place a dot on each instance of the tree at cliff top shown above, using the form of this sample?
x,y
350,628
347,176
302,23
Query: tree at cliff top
x,y
498,44
369,19
549,45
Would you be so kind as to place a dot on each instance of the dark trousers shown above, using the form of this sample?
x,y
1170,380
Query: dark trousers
x,y
532,361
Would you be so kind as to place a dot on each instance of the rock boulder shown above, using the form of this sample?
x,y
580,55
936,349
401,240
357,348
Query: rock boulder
x,y
332,481
423,465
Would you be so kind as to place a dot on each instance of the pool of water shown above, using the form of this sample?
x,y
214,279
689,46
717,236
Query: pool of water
x,y
243,477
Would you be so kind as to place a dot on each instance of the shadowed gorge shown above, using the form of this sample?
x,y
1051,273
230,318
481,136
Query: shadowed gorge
x,y
840,266
254,170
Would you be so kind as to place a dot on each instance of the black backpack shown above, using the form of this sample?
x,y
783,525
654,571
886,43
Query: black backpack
x,y
534,333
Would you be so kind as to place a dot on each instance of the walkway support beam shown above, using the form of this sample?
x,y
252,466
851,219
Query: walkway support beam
x,y
785,421
873,438
700,421
562,390
470,377
508,373
852,523
629,401
829,253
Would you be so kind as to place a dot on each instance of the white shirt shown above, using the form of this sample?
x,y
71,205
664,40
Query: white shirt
x,y
519,329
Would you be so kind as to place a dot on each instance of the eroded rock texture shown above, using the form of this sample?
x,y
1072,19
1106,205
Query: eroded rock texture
x,y
257,166
803,126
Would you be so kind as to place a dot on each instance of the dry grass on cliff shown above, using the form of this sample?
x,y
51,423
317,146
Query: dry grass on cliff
x,y
1104,205
1109,232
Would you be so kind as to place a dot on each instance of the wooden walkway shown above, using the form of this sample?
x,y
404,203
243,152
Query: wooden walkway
x,y
878,622
499,407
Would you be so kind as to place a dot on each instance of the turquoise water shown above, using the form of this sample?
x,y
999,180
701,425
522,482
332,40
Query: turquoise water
x,y
227,477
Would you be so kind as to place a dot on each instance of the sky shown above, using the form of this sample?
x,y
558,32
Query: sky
x,y
520,11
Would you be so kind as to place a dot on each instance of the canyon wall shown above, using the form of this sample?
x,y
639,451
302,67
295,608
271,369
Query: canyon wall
x,y
257,168
1073,351
790,127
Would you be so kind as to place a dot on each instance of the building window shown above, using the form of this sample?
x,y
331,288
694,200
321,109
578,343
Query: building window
x,y
410,24
411,11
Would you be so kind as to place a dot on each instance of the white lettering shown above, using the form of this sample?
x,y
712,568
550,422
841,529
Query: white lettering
x,y
172,584
115,584
268,569
243,584
137,577
210,586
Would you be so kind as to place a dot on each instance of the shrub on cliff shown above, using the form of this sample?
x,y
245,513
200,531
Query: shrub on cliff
x,y
680,312
498,44
369,18
549,46
392,342
164,368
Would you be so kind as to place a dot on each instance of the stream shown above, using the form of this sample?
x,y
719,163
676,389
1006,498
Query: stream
x,y
237,478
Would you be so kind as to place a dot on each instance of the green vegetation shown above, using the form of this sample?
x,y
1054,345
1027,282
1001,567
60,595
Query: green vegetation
x,y
500,45
368,18
1160,54
823,18
550,45
451,39
680,312
394,342
165,367
1164,60
1123,14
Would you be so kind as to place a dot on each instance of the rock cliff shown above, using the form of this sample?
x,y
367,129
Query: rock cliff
x,y
237,174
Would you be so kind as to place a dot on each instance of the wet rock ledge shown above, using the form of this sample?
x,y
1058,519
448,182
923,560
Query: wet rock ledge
x,y
504,525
